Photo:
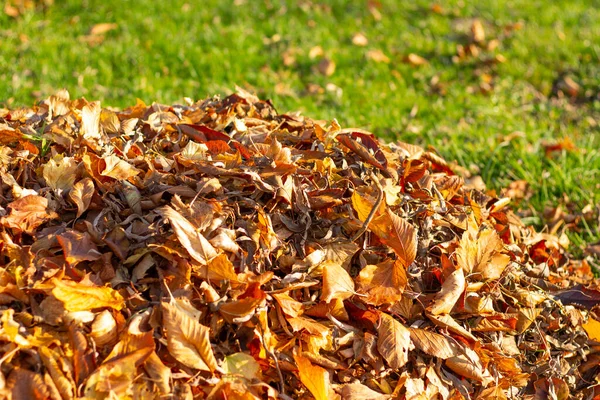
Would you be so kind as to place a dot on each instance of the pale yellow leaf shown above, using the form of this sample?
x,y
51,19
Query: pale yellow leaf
x,y
59,173
358,391
242,364
118,168
187,340
90,121
393,341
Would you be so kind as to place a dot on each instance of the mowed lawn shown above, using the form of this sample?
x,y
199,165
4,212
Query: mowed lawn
x,y
507,89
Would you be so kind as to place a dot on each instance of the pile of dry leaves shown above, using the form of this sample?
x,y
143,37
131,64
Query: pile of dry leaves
x,y
220,250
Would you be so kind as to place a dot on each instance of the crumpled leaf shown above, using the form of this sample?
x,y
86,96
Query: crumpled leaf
x,y
81,195
59,173
382,283
452,288
193,241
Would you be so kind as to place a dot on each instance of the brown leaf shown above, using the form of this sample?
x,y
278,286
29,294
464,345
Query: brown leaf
x,y
358,391
393,342
24,384
326,67
187,340
28,213
433,343
452,288
81,195
78,247
193,241
85,296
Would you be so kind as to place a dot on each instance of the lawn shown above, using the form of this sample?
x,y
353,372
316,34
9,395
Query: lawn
x,y
513,98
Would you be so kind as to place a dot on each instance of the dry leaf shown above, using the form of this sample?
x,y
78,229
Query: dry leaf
x,y
193,241
416,60
336,282
78,247
27,213
101,29
452,288
359,39
59,173
242,364
393,342
83,296
187,340
382,283
326,67
434,344
82,194
378,56
315,378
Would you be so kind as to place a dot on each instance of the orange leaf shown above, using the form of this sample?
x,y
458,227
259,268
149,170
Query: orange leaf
x,y
592,327
382,283
315,378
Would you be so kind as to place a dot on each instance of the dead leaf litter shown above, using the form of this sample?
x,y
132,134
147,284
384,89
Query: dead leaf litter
x,y
219,249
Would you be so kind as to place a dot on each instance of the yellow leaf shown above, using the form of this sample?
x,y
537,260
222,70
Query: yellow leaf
x,y
187,340
288,305
90,121
315,378
336,282
393,341
242,364
83,297
118,168
592,327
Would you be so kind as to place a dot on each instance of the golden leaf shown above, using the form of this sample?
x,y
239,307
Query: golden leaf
x,y
592,327
187,340
84,297
479,253
393,342
336,282
315,378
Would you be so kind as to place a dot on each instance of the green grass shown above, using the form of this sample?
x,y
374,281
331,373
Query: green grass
x,y
163,51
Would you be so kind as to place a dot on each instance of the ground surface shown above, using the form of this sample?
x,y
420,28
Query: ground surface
x,y
532,80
